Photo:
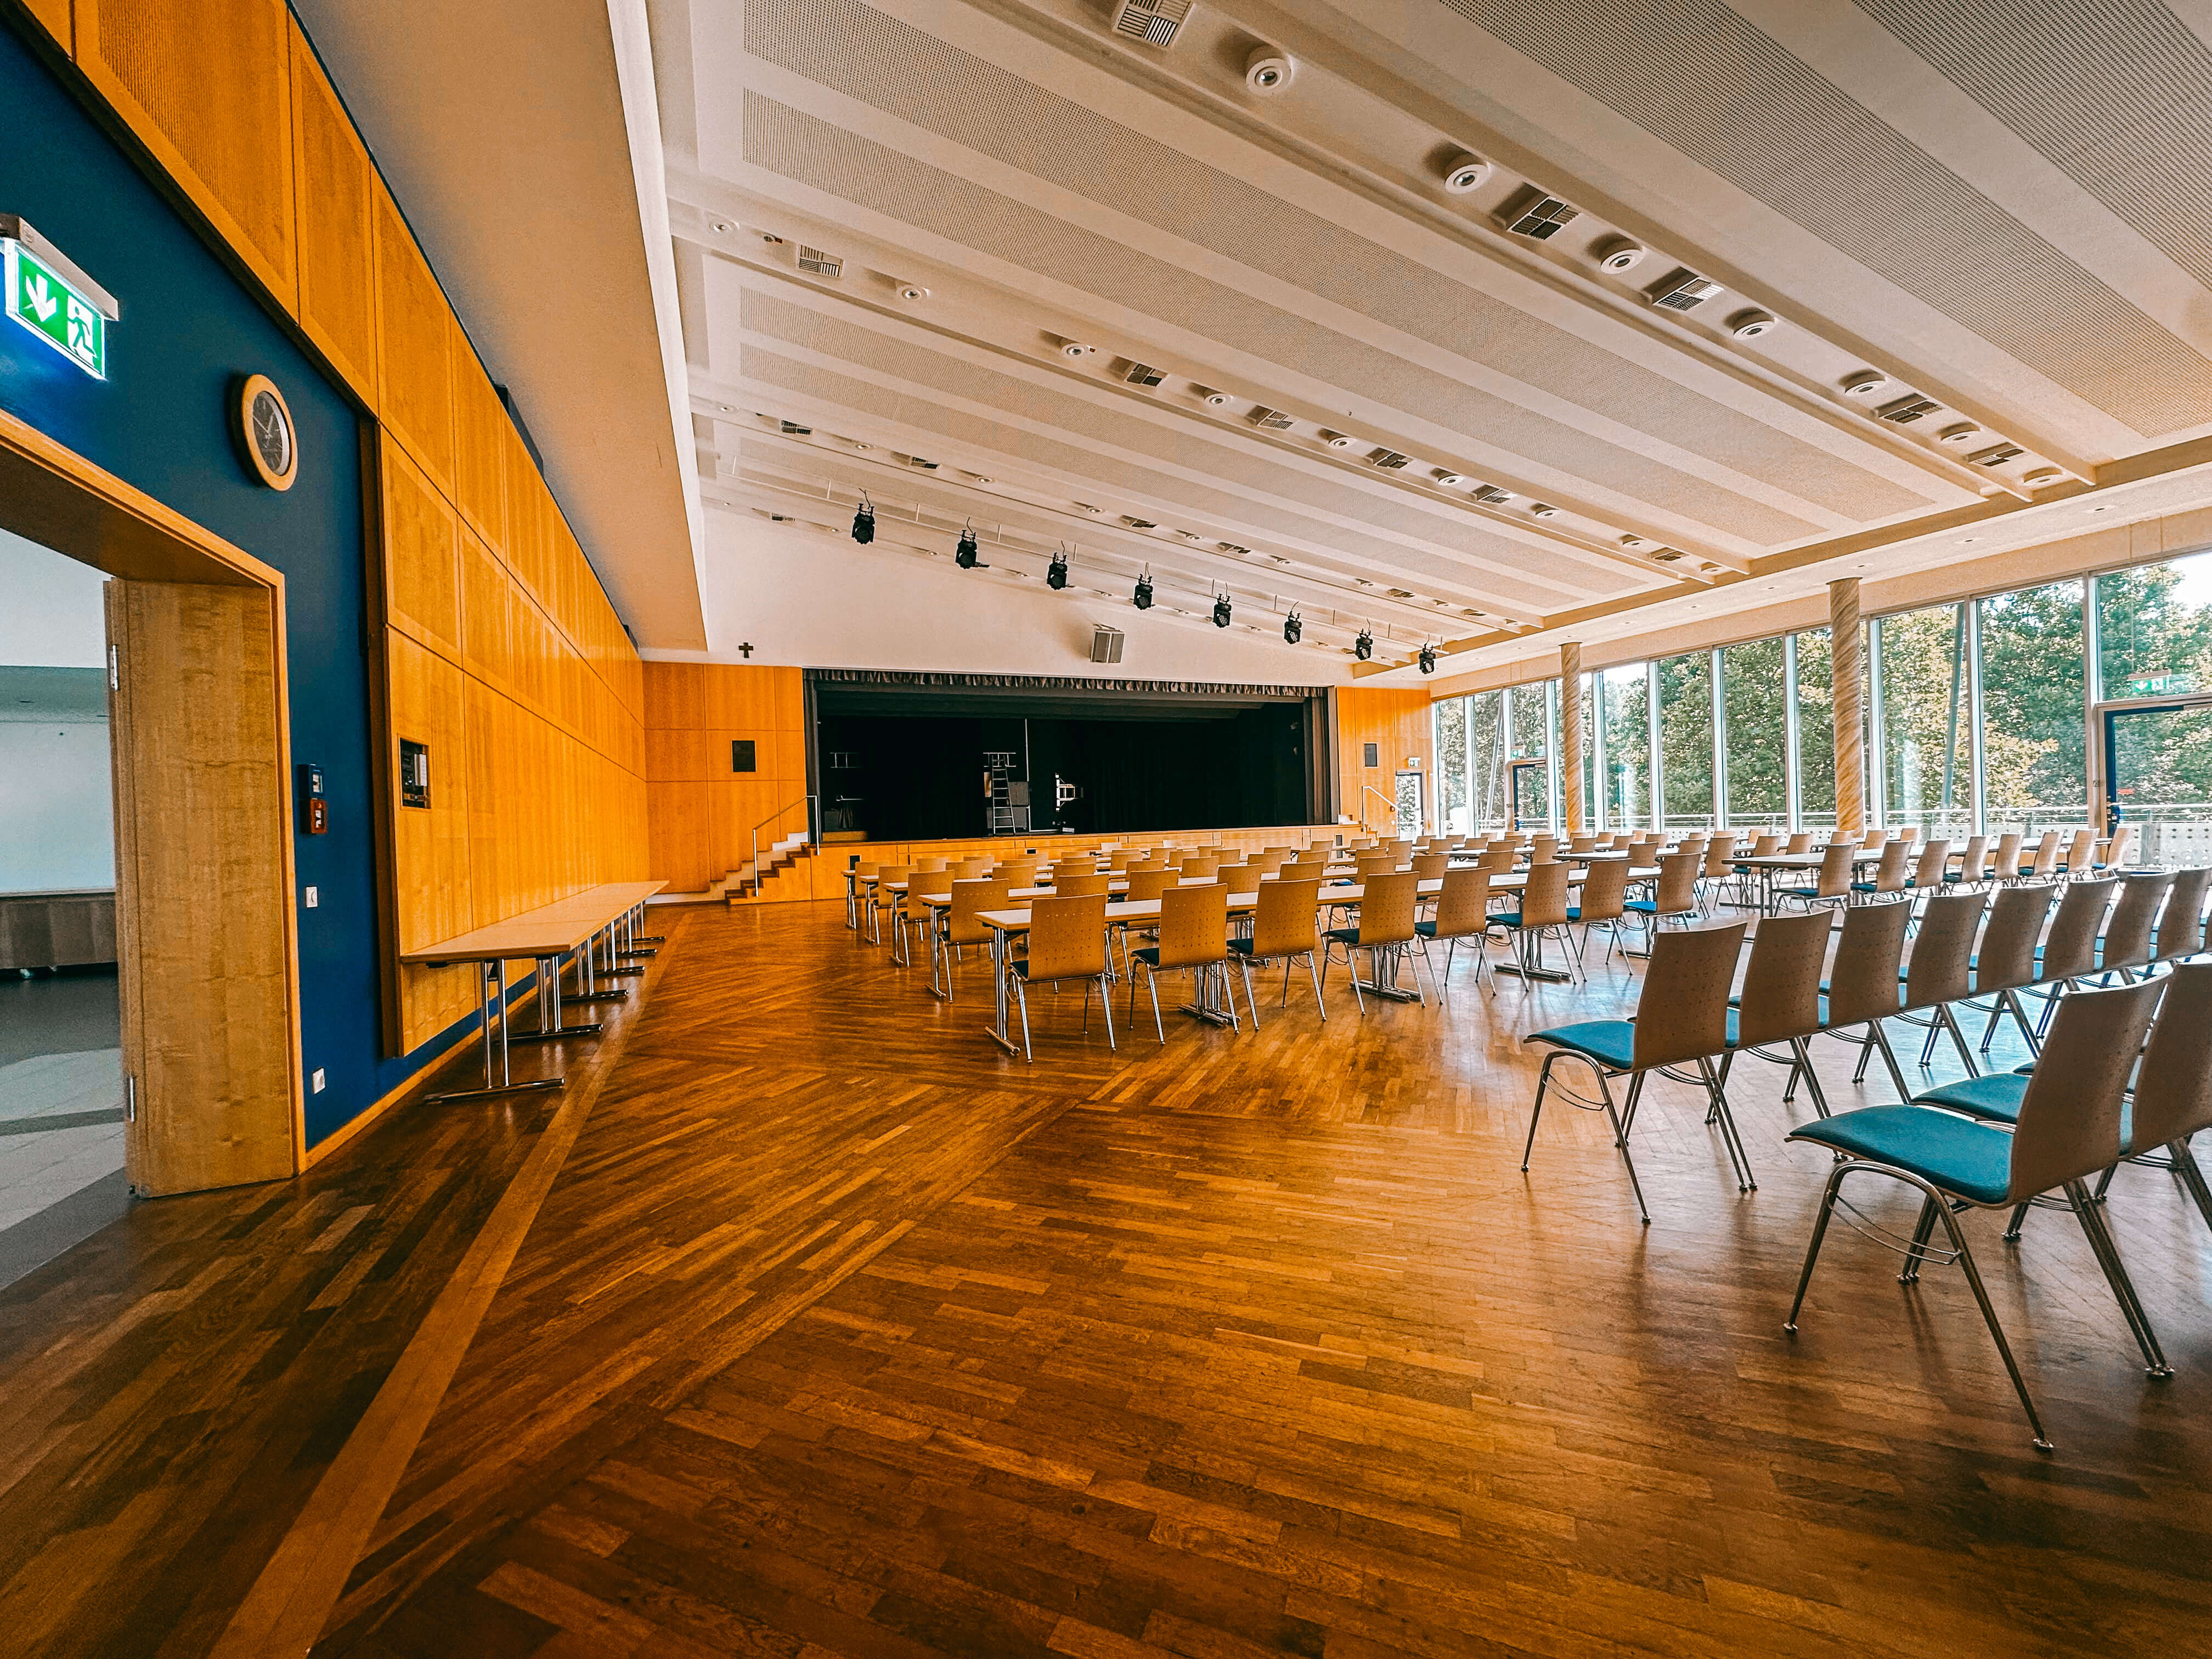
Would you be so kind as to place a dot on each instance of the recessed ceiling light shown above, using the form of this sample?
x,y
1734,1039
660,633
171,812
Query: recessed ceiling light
x,y
720,227
1863,383
1968,541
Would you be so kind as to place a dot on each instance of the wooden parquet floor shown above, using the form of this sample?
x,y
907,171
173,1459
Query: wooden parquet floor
x,y
840,1334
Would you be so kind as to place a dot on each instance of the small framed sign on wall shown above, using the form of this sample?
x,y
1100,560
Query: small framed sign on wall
x,y
741,755
414,774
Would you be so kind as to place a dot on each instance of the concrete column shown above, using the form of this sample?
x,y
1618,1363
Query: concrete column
x,y
1847,651
1570,737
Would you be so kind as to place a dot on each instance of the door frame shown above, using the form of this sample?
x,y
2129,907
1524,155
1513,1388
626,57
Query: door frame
x,y
2103,732
51,494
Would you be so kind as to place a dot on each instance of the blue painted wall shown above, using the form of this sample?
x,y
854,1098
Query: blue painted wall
x,y
188,329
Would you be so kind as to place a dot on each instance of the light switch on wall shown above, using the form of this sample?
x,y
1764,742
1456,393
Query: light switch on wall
x,y
315,1080
313,898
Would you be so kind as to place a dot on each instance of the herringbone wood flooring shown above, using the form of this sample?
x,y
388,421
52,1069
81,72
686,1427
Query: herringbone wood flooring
x,y
840,1333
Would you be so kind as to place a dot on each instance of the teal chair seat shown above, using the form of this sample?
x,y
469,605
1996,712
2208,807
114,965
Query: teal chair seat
x,y
1994,1099
1798,892
1971,1159
1505,918
1610,1043
1641,907
1149,955
1428,929
1344,935
1241,945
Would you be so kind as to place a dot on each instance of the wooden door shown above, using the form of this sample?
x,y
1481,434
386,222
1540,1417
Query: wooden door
x,y
204,885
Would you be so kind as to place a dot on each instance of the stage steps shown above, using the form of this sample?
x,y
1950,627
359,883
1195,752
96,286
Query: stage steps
x,y
745,882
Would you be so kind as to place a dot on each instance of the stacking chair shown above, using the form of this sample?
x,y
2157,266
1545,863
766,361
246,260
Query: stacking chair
x,y
1194,938
2042,864
1144,886
970,869
1463,911
1603,900
1500,857
928,866
1579,845
1937,974
856,894
1675,898
1800,842
1889,874
883,899
2126,943
1832,885
1871,839
2079,852
2004,863
1864,986
1973,863
1267,863
1283,930
2068,1129
1080,886
935,883
1384,929
1378,864
1717,869
1199,866
1430,866
1929,868
1542,849
1781,1002
969,895
2173,1089
2007,958
2115,854
1543,911
1681,1019
2069,951
1067,940
2180,930
1765,845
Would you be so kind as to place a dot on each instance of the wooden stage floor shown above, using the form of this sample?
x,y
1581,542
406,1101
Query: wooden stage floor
x,y
806,1323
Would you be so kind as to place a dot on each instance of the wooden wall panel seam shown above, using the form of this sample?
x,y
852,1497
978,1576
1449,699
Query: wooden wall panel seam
x,y
399,621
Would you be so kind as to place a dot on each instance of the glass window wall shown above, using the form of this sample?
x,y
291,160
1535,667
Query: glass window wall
x,y
1927,751
2034,764
1451,765
1686,740
1755,715
1628,711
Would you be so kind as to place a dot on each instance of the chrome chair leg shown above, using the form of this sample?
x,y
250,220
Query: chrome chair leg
x,y
1803,1050
1152,984
1022,995
1245,967
2186,1170
1311,968
2107,1251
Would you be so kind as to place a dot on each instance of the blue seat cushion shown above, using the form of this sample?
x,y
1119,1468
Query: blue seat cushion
x,y
1971,1159
1241,945
1345,935
1611,1042
1149,954
1506,919
1994,1099
1797,892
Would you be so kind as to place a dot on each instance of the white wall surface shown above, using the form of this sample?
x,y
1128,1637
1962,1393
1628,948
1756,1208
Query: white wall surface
x,y
56,808
805,599
50,609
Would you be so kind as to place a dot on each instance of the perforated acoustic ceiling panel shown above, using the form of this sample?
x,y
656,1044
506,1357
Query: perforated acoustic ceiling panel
x,y
812,152
2115,93
1092,429
861,53
1696,74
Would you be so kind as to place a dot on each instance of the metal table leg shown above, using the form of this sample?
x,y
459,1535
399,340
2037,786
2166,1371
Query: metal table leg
x,y
549,1028
501,1082
1001,945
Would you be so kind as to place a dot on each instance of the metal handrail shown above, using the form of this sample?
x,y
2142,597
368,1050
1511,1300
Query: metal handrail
x,y
813,806
1389,801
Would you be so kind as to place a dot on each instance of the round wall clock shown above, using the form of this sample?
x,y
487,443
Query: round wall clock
x,y
265,432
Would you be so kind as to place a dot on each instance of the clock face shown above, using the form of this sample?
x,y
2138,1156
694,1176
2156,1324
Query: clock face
x,y
272,431
262,427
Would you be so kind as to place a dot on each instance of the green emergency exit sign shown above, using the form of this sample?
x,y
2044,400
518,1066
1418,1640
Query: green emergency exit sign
x,y
53,299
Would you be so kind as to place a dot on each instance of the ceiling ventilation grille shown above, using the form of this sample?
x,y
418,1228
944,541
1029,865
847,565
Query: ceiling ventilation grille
x,y
1996,455
821,264
1389,459
1666,555
1153,22
792,429
1683,290
1492,495
1140,523
1144,374
1537,213
1273,419
1908,408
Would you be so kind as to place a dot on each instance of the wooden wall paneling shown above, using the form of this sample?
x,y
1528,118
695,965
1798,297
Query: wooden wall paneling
x,y
204,888
423,584
480,444
415,347
53,16
335,183
487,609
426,697
206,86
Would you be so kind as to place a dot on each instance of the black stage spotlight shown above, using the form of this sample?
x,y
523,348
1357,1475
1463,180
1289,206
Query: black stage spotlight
x,y
1221,612
1055,574
963,550
1363,646
863,522
1291,628
1142,598
1428,660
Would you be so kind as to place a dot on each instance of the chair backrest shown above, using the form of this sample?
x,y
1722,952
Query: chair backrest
x,y
2069,1118
1836,867
2173,1090
1378,864
1718,851
1267,863
1579,845
1149,883
1683,1012
888,874
1068,937
2069,950
1542,849
970,895
1400,849
1872,838
928,866
1386,909
1889,874
1782,985
2116,850
1463,905
1544,900
1199,865
1500,857
2079,850
1693,844
1238,877
1768,845
2127,936
1193,925
1080,886
1909,832
1605,890
2181,924
2046,854
1678,884
1862,980
2006,863
1310,869
1801,841
1430,866
968,869
2007,954
1937,971
1642,850
1285,925
1928,871
927,883
1019,872
866,871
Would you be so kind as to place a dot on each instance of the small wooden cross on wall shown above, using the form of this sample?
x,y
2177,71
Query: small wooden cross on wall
x,y
746,649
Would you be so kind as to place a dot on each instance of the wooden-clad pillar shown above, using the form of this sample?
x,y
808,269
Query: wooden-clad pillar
x,y
1570,737
1847,654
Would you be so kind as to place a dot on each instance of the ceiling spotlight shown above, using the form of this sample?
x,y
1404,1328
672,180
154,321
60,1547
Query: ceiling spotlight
x,y
1221,610
1055,574
1428,660
864,521
1142,598
1074,350
1212,398
1291,628
1464,173
963,551
1545,510
1957,433
1363,646
912,292
1634,541
1619,253
1863,382
1750,325
1267,71
1338,440
2042,475
720,227
1449,479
